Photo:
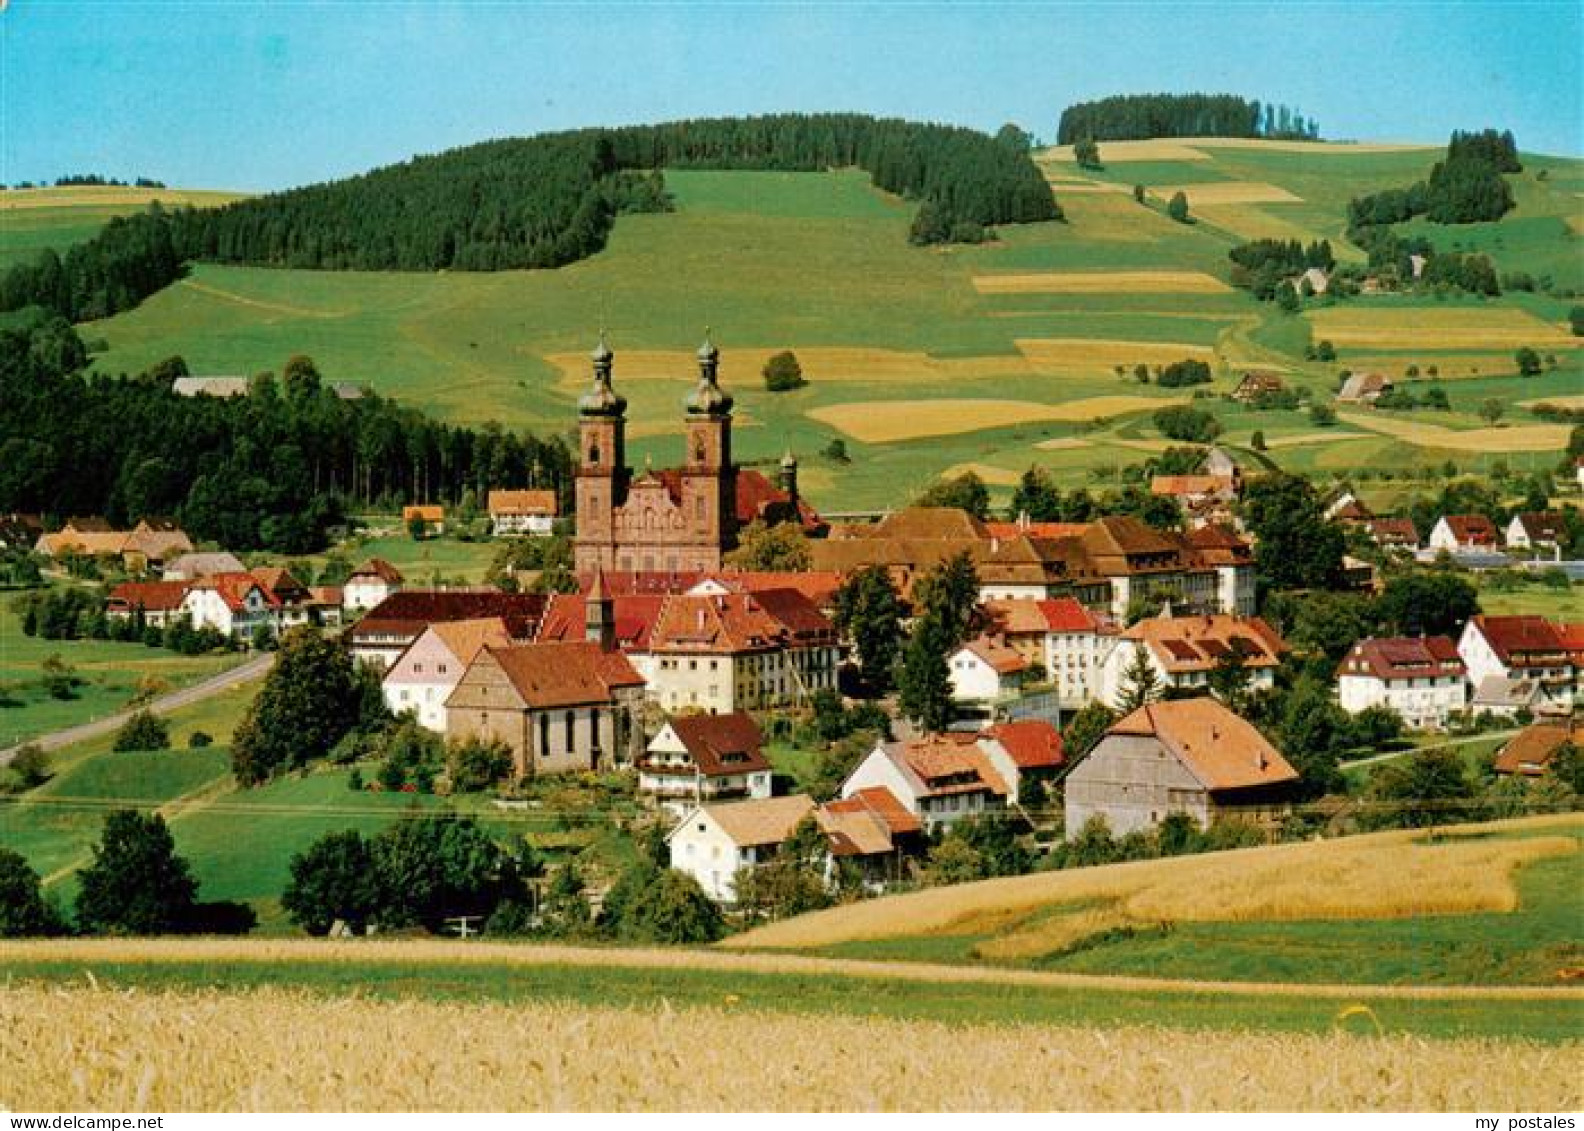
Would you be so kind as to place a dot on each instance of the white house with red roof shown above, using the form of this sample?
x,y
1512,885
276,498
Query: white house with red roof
x,y
1535,530
1522,650
1420,679
700,758
1185,650
1463,533
372,582
157,602
1021,750
235,604
870,834
714,842
985,671
939,778
531,513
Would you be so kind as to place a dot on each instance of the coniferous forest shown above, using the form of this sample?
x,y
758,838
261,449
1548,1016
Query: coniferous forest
x,y
1133,117
541,201
271,470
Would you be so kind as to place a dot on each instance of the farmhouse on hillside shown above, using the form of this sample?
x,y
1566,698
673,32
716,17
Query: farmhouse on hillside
x,y
1188,756
532,513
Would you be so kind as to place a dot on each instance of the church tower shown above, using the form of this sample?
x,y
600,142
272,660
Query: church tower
x,y
709,488
602,468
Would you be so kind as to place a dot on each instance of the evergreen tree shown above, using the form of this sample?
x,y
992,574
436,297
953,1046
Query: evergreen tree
x,y
1141,685
24,912
924,684
869,613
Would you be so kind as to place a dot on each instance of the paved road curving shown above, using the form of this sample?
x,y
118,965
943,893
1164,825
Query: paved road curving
x,y
250,670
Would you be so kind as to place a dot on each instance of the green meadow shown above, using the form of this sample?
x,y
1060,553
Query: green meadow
x,y
820,262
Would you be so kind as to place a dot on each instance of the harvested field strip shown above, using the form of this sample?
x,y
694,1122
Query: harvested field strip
x,y
1304,439
1387,875
1085,187
1520,438
1064,443
1333,148
277,1050
1058,355
879,422
1152,149
1101,282
1437,329
1228,192
74,955
1561,402
820,363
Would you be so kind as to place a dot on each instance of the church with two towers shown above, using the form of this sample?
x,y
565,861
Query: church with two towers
x,y
681,519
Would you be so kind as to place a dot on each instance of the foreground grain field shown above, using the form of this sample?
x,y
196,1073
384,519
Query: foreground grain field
x,y
279,1050
1386,875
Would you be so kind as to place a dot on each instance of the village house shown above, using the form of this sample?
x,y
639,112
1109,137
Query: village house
x,y
1464,533
423,676
1204,499
1519,649
388,629
149,544
210,386
726,652
714,842
1347,508
431,515
1184,650
700,758
1529,753
299,604
158,603
1257,384
939,779
558,707
1022,751
1506,698
1059,638
531,513
372,582
985,671
190,567
234,604
1190,756
1422,680
1365,388
871,837
1393,533
1535,531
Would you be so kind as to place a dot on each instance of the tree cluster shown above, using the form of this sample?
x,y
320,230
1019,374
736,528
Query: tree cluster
x,y
1182,373
1188,424
541,201
1262,265
1126,117
271,470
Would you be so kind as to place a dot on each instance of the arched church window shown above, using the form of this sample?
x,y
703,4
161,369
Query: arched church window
x,y
594,453
698,452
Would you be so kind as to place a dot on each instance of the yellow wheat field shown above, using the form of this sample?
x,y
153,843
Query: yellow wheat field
x,y
1318,148
1386,875
1065,356
101,196
279,1050
883,422
1519,438
1064,443
1452,328
1228,192
1448,365
1086,187
1255,223
1575,401
1152,149
1100,282
743,365
1306,439
1193,148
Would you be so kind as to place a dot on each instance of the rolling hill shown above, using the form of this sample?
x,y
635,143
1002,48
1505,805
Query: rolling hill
x,y
1042,316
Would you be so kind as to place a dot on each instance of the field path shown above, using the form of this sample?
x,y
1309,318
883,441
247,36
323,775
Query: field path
x,y
258,303
527,956
164,705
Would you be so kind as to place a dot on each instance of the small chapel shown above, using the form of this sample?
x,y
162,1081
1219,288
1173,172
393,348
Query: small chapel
x,y
676,520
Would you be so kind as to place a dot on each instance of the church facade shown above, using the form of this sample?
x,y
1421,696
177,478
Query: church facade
x,y
679,519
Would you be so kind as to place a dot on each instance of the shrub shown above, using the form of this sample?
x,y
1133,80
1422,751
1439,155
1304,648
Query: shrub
x,y
1192,425
198,739
143,731
782,373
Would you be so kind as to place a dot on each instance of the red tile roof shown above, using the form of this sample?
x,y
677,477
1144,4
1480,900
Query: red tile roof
x,y
1404,657
1545,526
1393,531
566,618
740,622
1516,639
626,583
1195,643
522,503
882,803
1218,747
819,586
234,588
408,613
1530,751
996,653
564,674
1471,529
150,596
1033,743
380,568
1050,530
720,745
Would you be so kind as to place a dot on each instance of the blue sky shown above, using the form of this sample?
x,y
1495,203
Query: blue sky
x,y
257,96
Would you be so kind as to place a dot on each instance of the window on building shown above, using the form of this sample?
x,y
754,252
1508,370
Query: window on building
x,y
570,720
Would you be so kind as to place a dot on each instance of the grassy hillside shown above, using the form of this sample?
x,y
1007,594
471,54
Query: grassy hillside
x,y
1483,904
1042,317
34,219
